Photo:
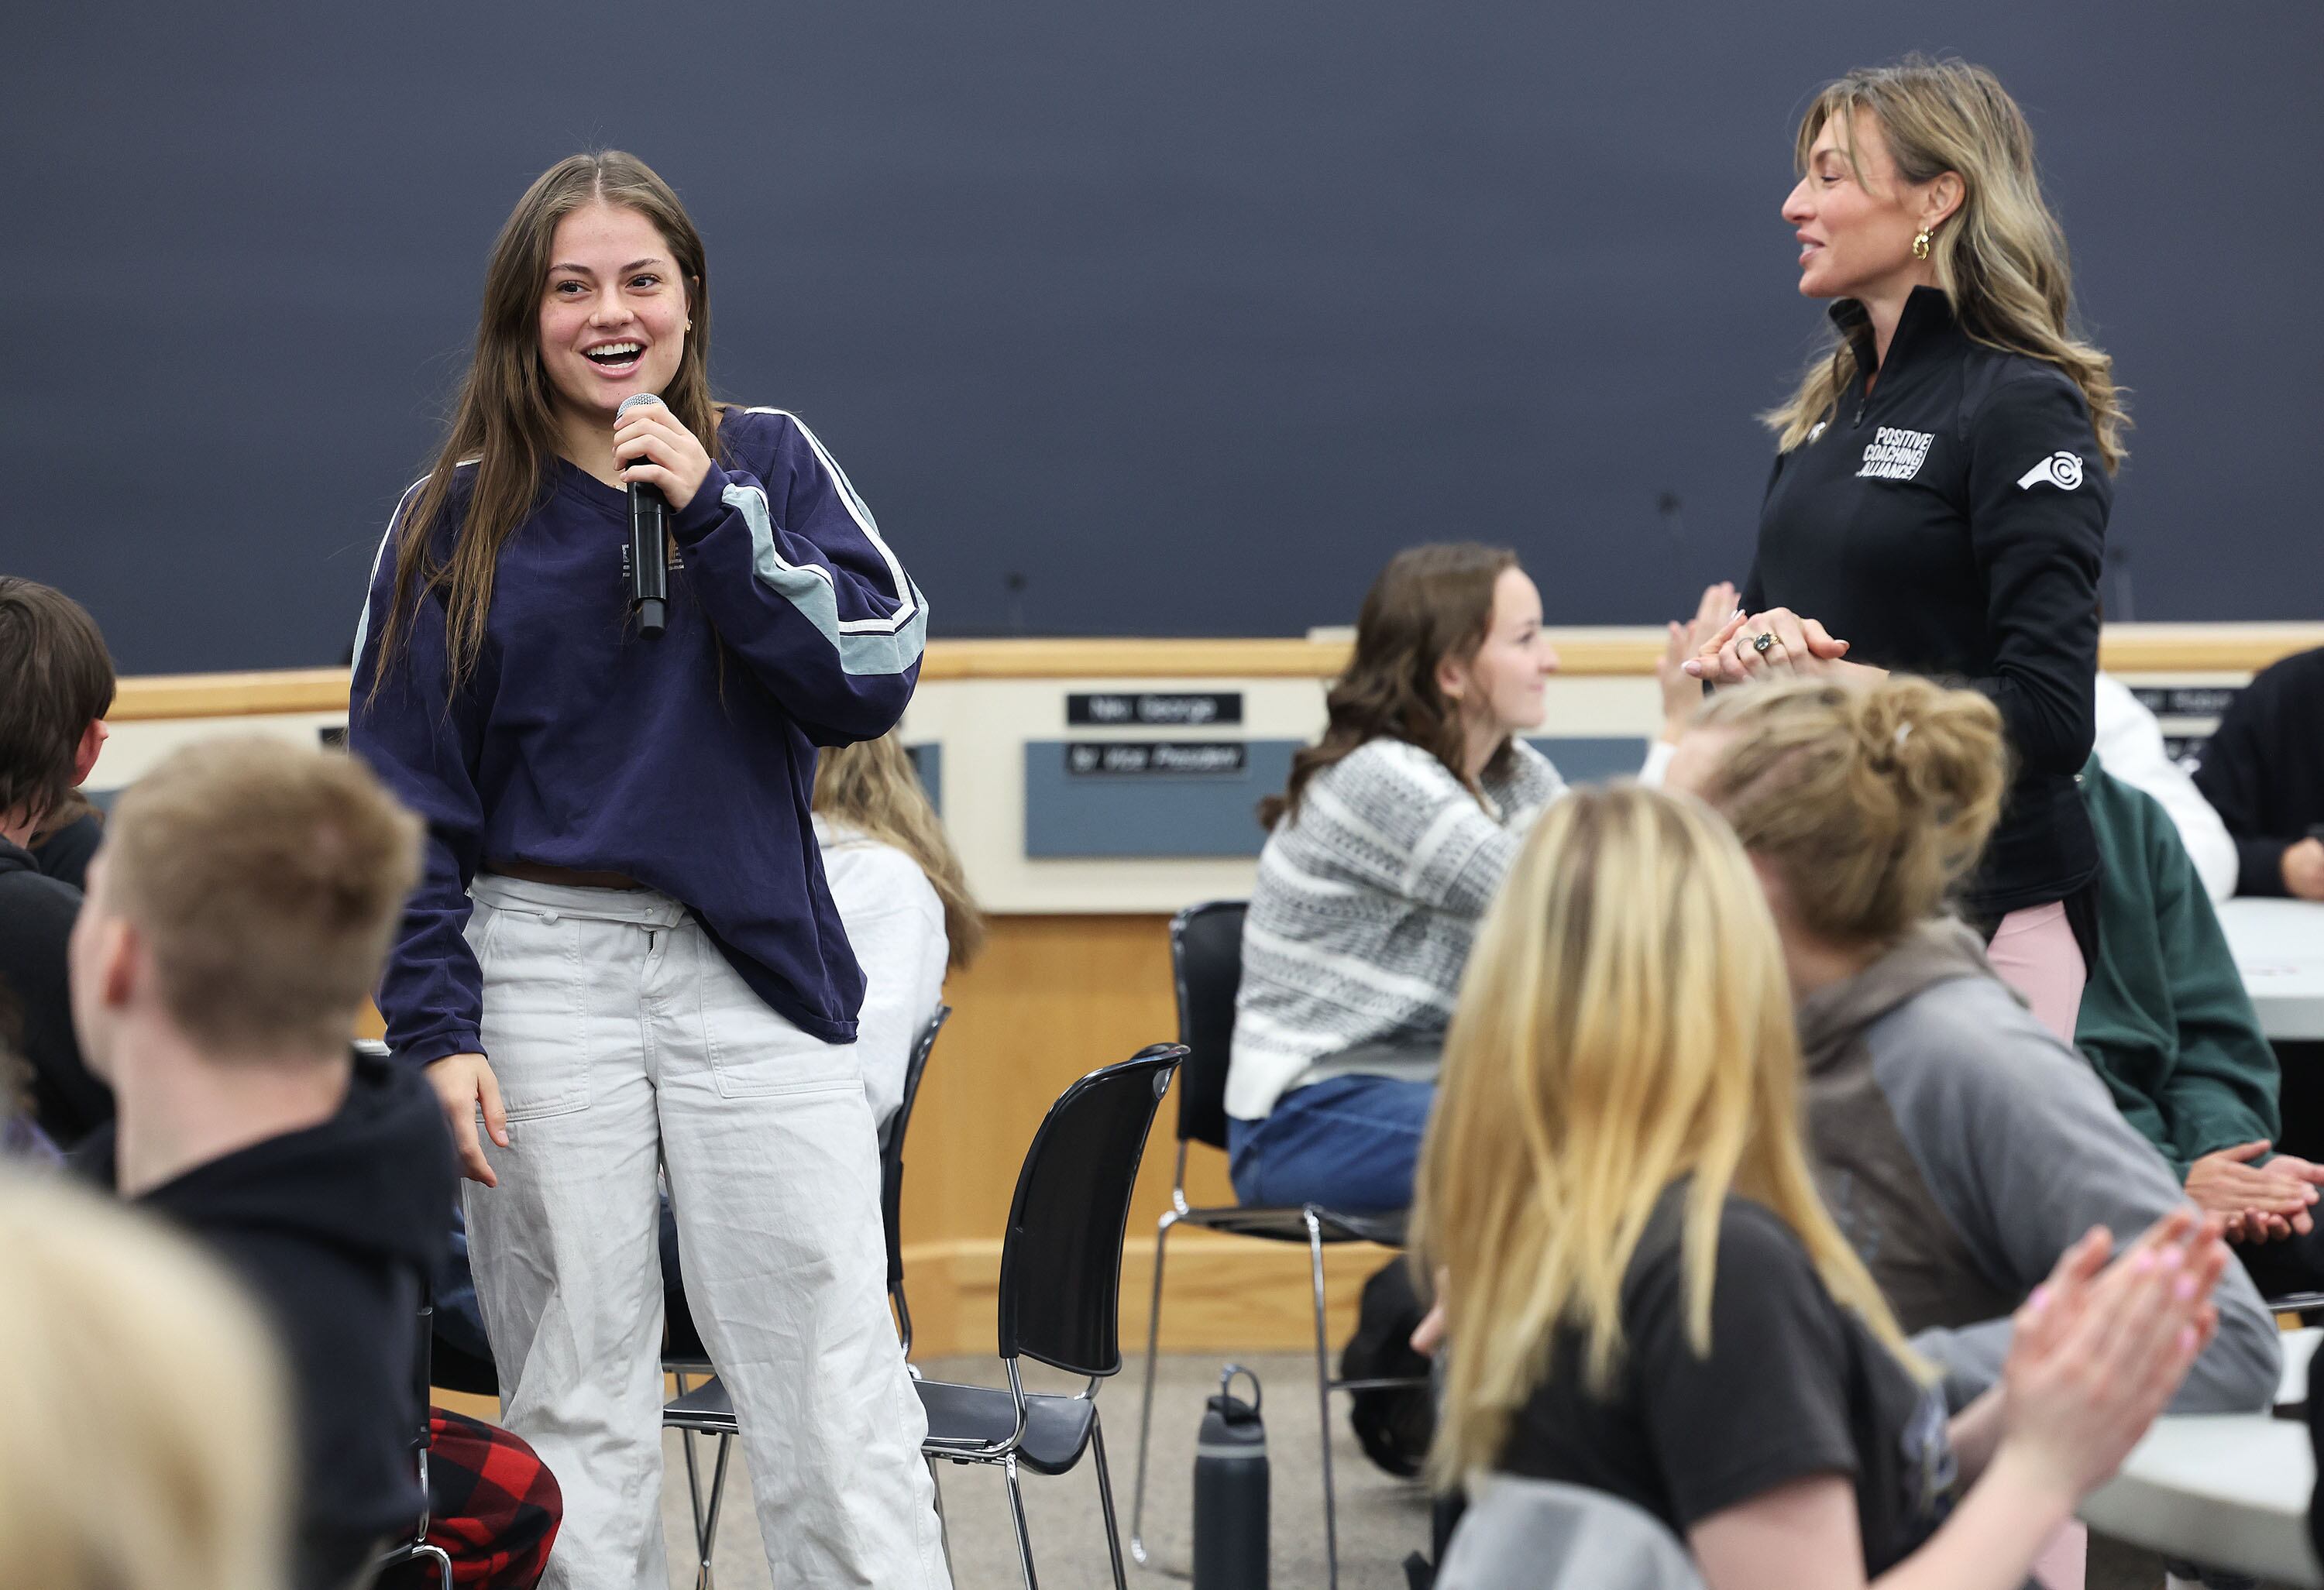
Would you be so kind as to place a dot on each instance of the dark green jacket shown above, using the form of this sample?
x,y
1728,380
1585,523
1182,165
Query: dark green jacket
x,y
2165,1019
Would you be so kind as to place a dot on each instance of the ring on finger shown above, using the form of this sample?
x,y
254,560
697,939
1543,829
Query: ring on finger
x,y
1762,641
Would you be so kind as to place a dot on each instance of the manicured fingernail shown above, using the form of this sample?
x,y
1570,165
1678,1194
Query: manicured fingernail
x,y
2172,1257
2186,1339
2184,1287
2039,1300
2143,1259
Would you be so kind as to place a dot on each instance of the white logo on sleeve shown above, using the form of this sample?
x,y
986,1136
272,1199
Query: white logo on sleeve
x,y
1894,454
2061,470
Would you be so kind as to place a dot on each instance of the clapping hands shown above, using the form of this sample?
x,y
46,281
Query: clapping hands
x,y
2100,1349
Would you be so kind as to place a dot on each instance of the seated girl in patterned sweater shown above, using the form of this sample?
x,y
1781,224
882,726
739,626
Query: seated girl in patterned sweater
x,y
1382,854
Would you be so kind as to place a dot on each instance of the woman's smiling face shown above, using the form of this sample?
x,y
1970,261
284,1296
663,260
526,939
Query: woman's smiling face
x,y
614,313
1855,220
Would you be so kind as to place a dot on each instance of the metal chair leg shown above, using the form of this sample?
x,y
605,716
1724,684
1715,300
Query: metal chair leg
x,y
1146,1417
944,1525
1016,1513
693,1485
1324,1403
706,1579
1105,1500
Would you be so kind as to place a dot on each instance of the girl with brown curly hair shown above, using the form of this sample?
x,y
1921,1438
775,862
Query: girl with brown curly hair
x,y
1383,852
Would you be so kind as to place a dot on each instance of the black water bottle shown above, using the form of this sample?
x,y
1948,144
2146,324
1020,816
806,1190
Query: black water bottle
x,y
1231,1491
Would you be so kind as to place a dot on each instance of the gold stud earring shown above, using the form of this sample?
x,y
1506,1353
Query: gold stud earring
x,y
1920,245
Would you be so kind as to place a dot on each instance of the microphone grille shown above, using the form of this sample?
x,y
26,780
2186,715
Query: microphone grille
x,y
637,400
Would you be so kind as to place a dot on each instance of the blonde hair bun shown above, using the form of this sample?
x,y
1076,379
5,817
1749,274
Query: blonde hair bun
x,y
1874,801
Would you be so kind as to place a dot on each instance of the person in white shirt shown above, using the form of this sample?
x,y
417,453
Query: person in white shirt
x,y
2130,746
902,897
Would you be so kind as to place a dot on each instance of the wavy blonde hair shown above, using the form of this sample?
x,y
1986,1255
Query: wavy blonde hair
x,y
2000,257
143,1421
870,786
1625,1021
1872,802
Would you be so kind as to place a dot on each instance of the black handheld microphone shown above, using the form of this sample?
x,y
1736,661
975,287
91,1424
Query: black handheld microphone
x,y
645,560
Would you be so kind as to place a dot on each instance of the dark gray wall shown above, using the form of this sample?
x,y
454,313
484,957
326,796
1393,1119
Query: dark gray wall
x,y
1186,315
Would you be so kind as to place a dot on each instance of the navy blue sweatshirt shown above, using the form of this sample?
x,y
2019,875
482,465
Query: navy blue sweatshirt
x,y
1952,524
577,743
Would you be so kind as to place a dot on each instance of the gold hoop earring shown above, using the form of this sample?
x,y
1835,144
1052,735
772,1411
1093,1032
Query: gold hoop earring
x,y
1920,245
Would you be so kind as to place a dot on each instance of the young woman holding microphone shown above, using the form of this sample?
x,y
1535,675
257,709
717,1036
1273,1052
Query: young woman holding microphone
x,y
623,956
1943,478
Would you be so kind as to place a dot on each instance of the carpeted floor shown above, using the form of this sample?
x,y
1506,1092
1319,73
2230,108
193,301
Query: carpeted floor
x,y
1381,1518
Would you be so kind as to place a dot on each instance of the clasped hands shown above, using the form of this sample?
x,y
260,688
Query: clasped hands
x,y
2255,1203
1775,643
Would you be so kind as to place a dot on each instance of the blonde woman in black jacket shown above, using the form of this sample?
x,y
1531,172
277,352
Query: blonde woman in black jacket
x,y
1944,473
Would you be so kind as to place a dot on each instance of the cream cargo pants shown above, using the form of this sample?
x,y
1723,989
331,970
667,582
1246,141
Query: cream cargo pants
x,y
624,1042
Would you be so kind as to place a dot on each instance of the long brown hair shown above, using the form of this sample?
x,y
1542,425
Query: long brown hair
x,y
1624,1023
1871,801
2000,259
1429,603
505,419
870,786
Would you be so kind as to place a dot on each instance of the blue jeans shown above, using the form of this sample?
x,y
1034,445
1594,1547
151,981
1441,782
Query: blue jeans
x,y
1351,1144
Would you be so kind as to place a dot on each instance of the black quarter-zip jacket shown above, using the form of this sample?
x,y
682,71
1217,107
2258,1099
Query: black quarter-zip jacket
x,y
1952,524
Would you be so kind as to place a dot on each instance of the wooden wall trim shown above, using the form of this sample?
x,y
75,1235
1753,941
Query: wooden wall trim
x,y
229,695
2126,648
1580,651
2240,648
1221,1294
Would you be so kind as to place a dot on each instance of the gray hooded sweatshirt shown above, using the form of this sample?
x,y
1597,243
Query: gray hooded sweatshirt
x,y
1962,1148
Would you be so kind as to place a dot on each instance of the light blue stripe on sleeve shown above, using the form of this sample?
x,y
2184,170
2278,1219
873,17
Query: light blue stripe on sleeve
x,y
808,588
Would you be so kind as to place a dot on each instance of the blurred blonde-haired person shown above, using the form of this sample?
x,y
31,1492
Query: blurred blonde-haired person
x,y
1649,1298
1944,472
902,898
144,1436
1961,1145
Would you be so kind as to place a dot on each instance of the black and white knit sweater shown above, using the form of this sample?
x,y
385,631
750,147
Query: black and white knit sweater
x,y
1360,924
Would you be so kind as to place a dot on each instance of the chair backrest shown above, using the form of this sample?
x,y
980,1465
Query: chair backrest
x,y
1541,1535
891,1144
423,1368
1206,965
1061,1260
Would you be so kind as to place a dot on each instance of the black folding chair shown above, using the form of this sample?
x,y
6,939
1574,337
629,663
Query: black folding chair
x,y
1060,1299
1207,964
891,1171
418,1548
685,1357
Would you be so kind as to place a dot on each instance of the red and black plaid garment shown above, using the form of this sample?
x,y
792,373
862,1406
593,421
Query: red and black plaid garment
x,y
492,1506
